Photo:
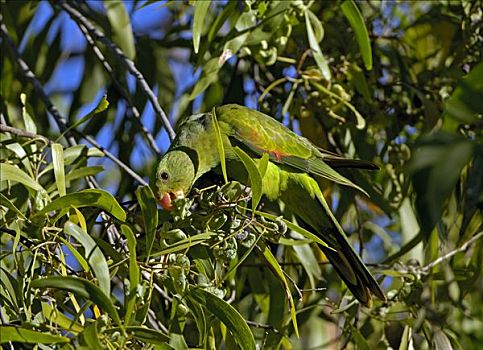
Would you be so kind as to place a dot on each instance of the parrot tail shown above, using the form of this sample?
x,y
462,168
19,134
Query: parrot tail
x,y
352,270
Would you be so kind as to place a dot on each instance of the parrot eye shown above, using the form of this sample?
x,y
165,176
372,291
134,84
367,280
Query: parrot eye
x,y
164,175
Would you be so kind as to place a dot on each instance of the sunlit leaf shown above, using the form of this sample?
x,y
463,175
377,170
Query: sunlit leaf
x,y
253,174
227,314
56,316
121,27
93,254
134,272
465,104
149,211
354,16
82,288
278,272
219,144
201,11
58,161
28,336
86,198
12,173
316,51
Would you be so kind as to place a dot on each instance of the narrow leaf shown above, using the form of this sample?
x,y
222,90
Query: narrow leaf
x,y
149,211
4,201
121,27
101,106
354,16
277,270
219,144
93,254
201,10
82,288
58,162
12,173
145,334
254,175
228,315
86,198
28,336
133,271
316,51
55,316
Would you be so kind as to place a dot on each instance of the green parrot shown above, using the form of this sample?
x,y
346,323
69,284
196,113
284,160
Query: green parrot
x,y
293,165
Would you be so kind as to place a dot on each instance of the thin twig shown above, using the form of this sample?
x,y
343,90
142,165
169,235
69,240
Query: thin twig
x,y
262,325
112,157
129,64
122,91
465,246
23,133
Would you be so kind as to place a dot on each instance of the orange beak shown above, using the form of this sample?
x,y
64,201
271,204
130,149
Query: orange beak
x,y
165,201
167,198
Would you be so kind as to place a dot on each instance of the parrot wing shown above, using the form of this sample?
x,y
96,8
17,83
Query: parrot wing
x,y
263,134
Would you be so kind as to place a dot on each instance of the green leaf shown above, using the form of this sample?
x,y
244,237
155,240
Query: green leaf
x,y
316,51
8,204
28,336
465,104
277,270
149,211
93,254
406,339
82,288
133,272
219,144
121,27
436,165
83,172
101,106
27,118
228,315
316,26
441,341
12,173
209,74
58,162
185,244
86,198
77,255
22,155
55,316
91,337
145,334
254,175
201,11
359,339
354,16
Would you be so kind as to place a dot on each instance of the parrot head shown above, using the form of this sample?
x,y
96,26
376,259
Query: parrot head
x,y
174,176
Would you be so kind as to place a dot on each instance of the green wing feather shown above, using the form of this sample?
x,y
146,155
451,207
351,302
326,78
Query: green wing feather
x,y
263,134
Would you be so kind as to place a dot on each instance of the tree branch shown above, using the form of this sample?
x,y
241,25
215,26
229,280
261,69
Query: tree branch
x,y
122,91
23,133
130,66
465,246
